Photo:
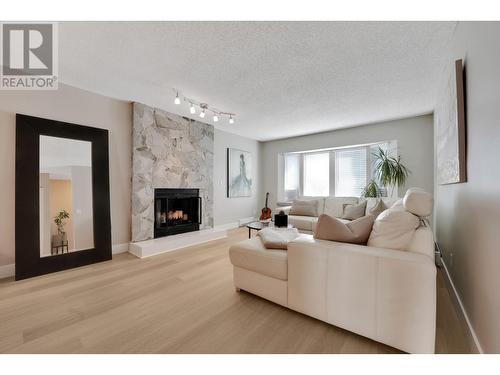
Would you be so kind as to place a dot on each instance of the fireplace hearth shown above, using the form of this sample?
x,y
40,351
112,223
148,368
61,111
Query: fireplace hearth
x,y
177,211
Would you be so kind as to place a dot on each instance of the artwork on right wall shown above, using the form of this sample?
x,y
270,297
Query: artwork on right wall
x,y
450,128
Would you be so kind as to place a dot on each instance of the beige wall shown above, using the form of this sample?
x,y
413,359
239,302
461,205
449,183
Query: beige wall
x,y
468,214
7,188
75,106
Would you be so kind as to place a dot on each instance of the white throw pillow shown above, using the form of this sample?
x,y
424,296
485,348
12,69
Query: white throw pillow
x,y
418,202
354,211
393,229
334,206
398,205
305,208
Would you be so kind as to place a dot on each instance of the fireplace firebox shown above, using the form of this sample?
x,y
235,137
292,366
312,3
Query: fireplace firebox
x,y
177,211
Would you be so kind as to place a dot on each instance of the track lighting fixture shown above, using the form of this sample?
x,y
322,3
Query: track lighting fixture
x,y
177,100
204,108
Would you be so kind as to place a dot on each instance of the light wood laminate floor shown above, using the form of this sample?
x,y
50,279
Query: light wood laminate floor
x,y
178,302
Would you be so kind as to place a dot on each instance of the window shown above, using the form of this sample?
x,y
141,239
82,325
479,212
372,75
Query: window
x,y
292,176
350,172
317,174
342,172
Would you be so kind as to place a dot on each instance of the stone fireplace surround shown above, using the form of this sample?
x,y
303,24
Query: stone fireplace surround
x,y
169,151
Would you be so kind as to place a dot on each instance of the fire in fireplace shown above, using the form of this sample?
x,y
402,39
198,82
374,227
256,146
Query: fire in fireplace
x,y
177,211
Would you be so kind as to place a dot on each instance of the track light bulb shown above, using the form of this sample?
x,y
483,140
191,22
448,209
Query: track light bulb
x,y
192,110
216,118
177,100
231,119
202,113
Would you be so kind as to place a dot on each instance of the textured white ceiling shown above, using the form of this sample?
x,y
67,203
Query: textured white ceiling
x,y
282,79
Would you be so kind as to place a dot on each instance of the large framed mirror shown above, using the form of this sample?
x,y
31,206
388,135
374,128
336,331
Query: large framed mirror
x,y
62,196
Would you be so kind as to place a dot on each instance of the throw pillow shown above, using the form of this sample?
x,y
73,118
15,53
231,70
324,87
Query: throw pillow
x,y
398,205
305,208
354,211
394,229
332,229
377,209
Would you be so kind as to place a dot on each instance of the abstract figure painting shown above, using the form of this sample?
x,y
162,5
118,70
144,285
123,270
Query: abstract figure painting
x,y
239,173
450,127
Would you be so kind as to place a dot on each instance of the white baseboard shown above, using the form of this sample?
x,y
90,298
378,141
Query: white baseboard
x,y
119,248
8,270
227,226
471,329
245,220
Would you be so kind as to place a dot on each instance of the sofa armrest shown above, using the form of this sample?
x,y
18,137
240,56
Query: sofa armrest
x,y
386,295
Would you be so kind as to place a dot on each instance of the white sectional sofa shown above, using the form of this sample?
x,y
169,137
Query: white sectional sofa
x,y
383,294
333,206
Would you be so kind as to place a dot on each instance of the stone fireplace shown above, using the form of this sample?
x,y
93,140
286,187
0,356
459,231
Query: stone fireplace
x,y
170,152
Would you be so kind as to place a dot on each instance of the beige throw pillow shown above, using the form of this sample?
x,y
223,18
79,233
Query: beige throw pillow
x,y
354,211
377,209
305,208
332,229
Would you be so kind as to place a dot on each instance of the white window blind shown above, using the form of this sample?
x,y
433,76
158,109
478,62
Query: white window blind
x,y
317,174
350,172
292,176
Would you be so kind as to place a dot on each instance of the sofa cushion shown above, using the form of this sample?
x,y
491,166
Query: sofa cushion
x,y
398,205
422,242
253,256
305,207
377,209
394,229
354,211
303,222
334,206
332,229
372,202
418,202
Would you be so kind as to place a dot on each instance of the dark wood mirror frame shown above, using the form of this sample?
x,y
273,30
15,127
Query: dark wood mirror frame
x,y
28,260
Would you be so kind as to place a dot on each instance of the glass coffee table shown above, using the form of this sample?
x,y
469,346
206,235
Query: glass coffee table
x,y
257,225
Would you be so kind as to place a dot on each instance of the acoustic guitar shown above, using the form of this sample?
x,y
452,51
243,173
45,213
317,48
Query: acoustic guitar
x,y
266,211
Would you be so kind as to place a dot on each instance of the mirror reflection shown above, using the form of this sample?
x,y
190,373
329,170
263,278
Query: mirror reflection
x,y
66,222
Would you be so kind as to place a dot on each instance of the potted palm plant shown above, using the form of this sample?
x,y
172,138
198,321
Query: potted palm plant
x,y
390,171
371,190
60,221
